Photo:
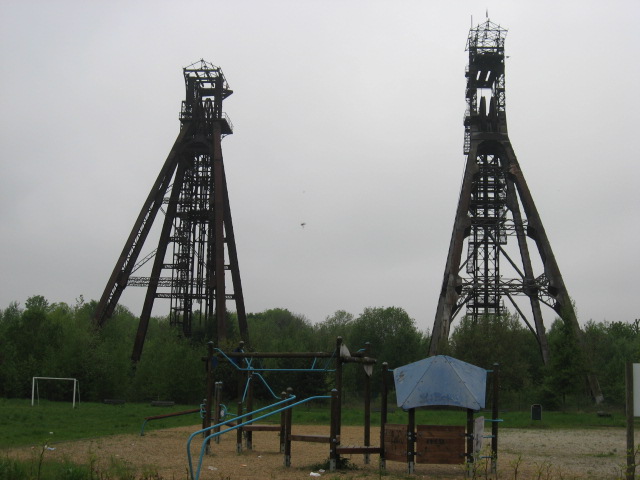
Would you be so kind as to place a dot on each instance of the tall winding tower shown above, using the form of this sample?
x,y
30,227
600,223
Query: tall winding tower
x,y
189,262
489,217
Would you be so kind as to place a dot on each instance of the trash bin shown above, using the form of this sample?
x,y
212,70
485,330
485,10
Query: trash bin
x,y
536,411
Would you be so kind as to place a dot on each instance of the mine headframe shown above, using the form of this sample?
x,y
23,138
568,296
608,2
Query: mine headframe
x,y
188,266
489,215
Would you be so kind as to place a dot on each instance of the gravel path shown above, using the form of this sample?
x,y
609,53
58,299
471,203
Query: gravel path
x,y
596,453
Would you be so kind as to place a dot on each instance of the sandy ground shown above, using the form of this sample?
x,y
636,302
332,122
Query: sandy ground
x,y
596,453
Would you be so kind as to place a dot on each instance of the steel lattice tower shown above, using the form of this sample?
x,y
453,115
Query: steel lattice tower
x,y
188,264
489,215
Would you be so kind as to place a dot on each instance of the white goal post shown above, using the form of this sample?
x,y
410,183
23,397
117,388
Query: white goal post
x,y
34,388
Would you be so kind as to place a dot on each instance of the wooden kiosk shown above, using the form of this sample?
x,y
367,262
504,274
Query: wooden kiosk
x,y
439,382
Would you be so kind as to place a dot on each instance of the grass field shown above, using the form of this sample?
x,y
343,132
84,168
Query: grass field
x,y
51,422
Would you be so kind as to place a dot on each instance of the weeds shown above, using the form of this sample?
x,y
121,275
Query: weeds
x,y
605,454
40,469
515,464
543,471
12,469
342,464
629,470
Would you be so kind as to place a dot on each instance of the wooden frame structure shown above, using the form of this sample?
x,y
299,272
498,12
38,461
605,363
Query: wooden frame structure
x,y
410,443
341,356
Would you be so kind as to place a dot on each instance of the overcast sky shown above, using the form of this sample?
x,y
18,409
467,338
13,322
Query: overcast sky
x,y
348,118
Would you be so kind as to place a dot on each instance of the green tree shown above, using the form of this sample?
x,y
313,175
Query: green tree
x,y
73,349
610,346
170,369
566,372
337,325
499,339
279,330
32,339
10,378
393,337
37,303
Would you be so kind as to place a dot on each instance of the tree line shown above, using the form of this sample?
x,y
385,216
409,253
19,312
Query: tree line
x,y
60,340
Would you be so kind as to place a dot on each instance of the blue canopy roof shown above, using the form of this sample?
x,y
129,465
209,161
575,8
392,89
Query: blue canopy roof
x,y
442,381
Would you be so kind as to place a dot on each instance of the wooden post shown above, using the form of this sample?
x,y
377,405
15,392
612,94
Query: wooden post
x,y
206,421
495,412
287,433
383,412
239,430
248,437
216,408
240,393
334,434
411,457
283,424
470,431
631,451
339,381
367,404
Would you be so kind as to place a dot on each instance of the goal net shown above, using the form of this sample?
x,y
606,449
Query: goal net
x,y
35,393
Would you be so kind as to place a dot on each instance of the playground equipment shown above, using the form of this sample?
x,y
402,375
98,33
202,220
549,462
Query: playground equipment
x,y
242,362
438,381
283,407
249,420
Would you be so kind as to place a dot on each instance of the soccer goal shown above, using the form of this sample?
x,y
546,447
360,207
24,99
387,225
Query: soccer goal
x,y
35,393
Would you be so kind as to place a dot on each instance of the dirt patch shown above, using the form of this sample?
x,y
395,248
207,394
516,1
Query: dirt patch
x,y
597,453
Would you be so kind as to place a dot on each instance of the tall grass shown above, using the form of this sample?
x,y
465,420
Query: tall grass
x,y
35,469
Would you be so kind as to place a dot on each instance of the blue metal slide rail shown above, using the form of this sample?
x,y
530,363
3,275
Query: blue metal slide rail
x,y
207,439
251,368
